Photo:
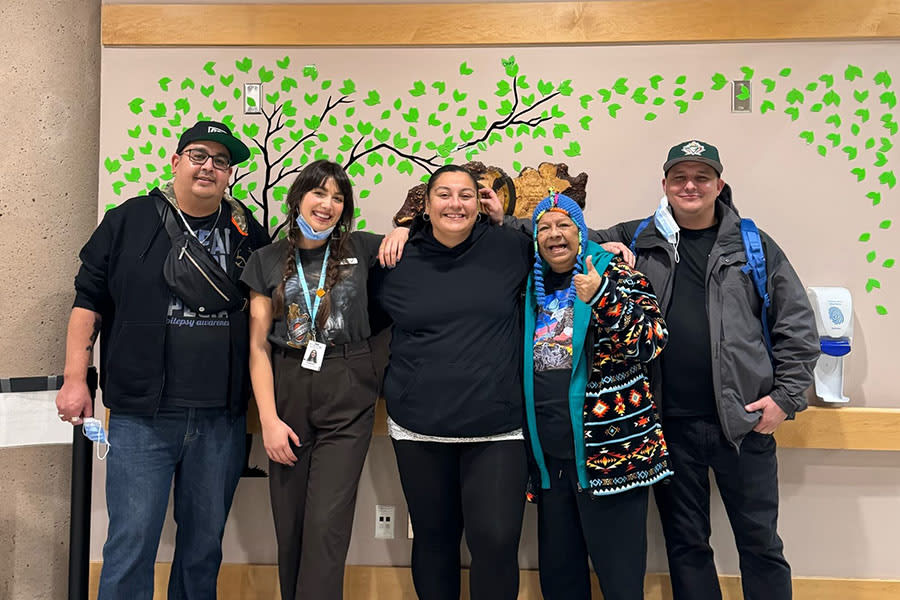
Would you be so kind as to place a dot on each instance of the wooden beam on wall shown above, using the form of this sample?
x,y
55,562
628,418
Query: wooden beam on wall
x,y
847,428
496,23
260,582
844,428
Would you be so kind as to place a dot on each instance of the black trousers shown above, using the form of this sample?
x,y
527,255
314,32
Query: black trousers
x,y
332,412
479,487
572,526
748,483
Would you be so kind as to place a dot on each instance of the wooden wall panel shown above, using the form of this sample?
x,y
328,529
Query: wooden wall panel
x,y
847,428
610,21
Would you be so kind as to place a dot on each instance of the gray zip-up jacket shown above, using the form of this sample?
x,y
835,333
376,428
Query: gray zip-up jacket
x,y
742,371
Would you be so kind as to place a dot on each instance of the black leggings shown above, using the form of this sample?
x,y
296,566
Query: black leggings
x,y
476,486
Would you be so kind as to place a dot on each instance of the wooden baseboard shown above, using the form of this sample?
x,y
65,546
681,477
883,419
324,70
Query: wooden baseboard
x,y
260,582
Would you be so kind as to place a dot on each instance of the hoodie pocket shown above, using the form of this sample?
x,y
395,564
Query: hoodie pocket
x,y
433,381
135,362
456,399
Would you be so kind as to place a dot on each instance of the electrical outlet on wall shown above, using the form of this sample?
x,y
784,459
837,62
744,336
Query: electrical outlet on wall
x,y
740,96
384,521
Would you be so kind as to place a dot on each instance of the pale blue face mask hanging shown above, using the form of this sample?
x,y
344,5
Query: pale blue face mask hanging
x,y
93,430
310,233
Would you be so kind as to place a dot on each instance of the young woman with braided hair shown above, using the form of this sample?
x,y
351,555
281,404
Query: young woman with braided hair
x,y
313,375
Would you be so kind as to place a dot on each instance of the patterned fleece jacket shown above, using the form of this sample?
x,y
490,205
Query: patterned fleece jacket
x,y
619,443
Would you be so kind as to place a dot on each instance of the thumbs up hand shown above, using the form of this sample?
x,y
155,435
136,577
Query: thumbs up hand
x,y
586,285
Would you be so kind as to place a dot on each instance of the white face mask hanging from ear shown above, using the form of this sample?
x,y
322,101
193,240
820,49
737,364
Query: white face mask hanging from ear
x,y
666,225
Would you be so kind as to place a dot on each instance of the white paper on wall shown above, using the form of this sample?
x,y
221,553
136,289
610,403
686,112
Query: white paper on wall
x,y
31,418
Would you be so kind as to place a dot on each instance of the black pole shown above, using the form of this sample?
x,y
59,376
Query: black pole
x,y
80,519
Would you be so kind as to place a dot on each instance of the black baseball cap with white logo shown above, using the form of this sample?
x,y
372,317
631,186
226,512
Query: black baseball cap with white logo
x,y
213,131
696,151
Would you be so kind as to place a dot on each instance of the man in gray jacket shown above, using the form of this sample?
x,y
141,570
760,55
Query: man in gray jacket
x,y
721,393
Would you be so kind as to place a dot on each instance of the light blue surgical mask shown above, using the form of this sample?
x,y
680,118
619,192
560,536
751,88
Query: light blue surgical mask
x,y
666,225
311,234
93,430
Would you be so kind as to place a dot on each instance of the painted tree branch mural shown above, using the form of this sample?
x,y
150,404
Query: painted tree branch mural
x,y
304,116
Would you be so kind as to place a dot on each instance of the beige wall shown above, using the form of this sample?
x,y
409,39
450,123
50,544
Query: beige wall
x,y
837,510
50,74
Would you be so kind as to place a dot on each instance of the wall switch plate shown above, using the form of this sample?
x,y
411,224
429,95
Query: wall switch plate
x,y
384,521
740,96
252,98
409,533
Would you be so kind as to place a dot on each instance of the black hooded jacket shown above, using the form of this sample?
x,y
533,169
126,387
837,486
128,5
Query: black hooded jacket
x,y
121,278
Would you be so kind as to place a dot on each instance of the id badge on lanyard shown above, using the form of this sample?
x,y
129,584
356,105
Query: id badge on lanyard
x,y
314,355
315,351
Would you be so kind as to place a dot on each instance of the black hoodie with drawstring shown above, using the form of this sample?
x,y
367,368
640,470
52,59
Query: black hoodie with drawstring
x,y
456,346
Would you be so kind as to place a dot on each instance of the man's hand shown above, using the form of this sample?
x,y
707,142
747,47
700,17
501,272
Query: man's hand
x,y
587,284
772,415
620,250
491,204
73,402
391,248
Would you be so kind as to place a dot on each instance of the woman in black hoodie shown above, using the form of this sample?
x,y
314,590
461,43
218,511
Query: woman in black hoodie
x,y
454,390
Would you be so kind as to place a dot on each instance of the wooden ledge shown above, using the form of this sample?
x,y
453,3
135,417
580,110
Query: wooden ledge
x,y
549,23
847,428
842,428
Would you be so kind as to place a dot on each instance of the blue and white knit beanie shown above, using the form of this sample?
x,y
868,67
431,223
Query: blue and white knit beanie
x,y
558,203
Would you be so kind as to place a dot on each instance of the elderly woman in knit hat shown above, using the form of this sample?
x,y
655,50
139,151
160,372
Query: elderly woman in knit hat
x,y
593,324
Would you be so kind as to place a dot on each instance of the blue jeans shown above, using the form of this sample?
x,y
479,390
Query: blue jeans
x,y
203,450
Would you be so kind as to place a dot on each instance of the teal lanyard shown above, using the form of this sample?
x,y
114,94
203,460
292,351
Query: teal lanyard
x,y
306,294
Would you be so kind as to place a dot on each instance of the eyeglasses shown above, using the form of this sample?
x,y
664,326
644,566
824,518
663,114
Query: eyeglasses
x,y
199,157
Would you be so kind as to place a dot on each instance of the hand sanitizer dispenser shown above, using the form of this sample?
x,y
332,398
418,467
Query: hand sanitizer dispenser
x,y
834,321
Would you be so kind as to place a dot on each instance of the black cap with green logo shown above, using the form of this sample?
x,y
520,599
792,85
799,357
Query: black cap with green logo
x,y
693,150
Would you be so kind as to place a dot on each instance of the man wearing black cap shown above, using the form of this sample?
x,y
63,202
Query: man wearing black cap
x,y
174,376
721,389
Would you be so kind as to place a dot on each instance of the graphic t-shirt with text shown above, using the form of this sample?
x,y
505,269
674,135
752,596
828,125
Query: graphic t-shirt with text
x,y
197,346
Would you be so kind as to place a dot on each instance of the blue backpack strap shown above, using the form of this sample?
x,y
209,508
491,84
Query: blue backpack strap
x,y
756,268
641,227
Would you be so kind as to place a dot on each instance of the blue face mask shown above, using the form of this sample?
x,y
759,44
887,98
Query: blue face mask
x,y
666,225
309,233
93,430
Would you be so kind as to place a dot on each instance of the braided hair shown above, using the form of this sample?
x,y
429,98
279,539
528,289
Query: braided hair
x,y
558,203
315,175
